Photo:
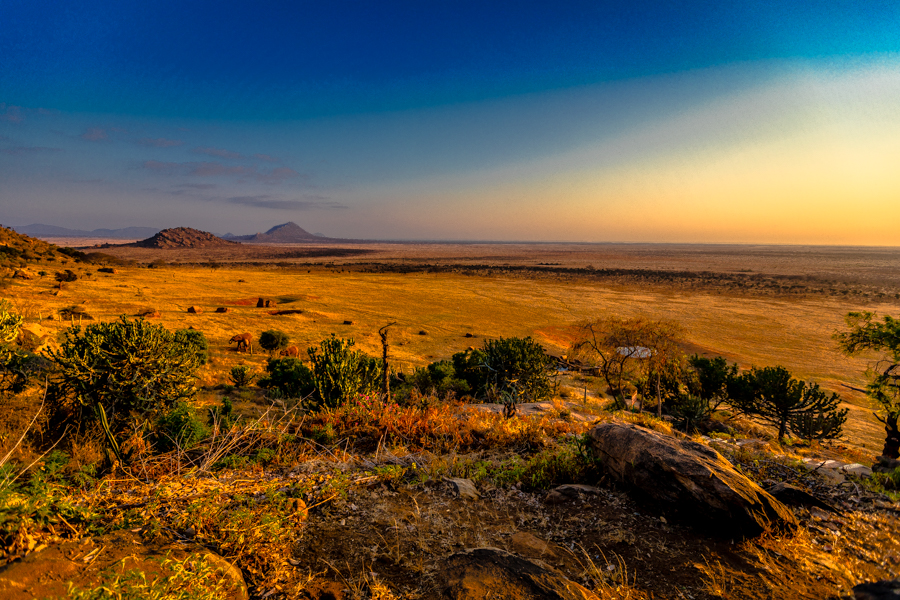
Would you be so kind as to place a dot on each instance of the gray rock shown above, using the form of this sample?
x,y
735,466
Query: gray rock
x,y
492,573
464,488
857,469
689,478
879,590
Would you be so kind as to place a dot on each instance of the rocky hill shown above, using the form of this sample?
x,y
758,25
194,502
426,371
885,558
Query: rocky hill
x,y
286,233
16,249
183,237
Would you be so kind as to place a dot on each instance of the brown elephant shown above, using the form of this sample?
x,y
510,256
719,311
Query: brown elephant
x,y
291,351
243,342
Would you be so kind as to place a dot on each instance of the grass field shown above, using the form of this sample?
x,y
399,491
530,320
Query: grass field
x,y
749,329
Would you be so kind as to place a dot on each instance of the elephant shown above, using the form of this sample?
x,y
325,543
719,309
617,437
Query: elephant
x,y
243,342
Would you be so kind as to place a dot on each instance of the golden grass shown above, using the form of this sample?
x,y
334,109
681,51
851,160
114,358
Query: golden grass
x,y
751,330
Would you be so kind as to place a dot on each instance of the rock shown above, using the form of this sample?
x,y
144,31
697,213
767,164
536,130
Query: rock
x,y
833,464
794,496
34,338
423,332
570,491
857,469
46,574
195,310
20,274
879,590
221,309
464,488
348,322
689,477
883,464
492,573
529,546
468,335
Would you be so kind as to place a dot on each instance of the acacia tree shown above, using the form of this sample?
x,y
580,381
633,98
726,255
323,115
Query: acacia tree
x,y
867,333
635,350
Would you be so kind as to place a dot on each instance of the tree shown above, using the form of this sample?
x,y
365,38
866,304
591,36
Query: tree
x,y
712,377
111,370
774,396
867,333
635,350
273,340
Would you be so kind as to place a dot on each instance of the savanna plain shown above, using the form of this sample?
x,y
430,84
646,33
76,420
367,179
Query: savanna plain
x,y
379,495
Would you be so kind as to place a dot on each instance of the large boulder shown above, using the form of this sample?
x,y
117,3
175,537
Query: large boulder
x,y
687,478
493,573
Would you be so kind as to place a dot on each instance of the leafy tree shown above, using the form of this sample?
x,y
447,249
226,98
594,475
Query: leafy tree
x,y
774,396
712,378
867,333
635,350
110,370
340,373
273,340
290,377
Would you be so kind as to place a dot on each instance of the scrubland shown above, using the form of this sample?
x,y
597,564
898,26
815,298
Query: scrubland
x,y
356,502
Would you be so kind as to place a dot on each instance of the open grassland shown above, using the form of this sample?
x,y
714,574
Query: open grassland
x,y
760,330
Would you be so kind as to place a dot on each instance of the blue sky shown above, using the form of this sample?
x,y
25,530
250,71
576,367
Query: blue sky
x,y
643,121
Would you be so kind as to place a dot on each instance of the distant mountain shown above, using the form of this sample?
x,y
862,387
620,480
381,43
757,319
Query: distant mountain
x,y
183,237
40,230
286,233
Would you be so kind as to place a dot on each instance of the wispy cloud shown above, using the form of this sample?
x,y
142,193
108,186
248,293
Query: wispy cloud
x,y
197,186
278,175
267,201
13,114
30,150
159,142
217,152
216,169
161,167
94,134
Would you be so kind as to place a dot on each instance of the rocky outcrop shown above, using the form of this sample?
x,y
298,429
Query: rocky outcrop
x,y
879,590
686,478
183,237
493,573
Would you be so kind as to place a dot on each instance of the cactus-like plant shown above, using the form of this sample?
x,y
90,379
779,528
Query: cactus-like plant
x,y
340,373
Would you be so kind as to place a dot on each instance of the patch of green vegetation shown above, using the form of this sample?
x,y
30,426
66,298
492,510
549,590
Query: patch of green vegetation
x,y
192,578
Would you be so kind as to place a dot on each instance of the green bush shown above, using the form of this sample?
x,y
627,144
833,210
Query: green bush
x,y
124,367
179,427
198,341
507,367
241,376
290,377
438,378
340,373
273,340
689,411
223,416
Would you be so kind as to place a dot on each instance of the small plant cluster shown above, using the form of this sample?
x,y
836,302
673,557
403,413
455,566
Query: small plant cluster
x,y
505,370
644,355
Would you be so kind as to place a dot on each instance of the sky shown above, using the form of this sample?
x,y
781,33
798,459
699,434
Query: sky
x,y
700,122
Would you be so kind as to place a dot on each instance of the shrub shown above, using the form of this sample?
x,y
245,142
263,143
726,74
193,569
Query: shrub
x,y
689,411
437,378
66,276
223,416
340,373
273,340
121,367
289,376
197,341
241,376
179,427
511,366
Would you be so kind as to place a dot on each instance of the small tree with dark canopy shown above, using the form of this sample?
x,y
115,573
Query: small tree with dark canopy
x,y
774,396
273,340
867,333
712,377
